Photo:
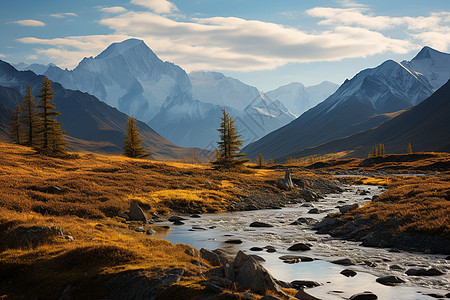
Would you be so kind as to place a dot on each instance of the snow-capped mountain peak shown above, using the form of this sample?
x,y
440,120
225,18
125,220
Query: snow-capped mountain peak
x,y
432,64
121,48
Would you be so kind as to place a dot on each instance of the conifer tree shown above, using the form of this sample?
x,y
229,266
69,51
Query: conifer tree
x,y
228,156
29,117
50,135
132,145
260,160
15,126
409,151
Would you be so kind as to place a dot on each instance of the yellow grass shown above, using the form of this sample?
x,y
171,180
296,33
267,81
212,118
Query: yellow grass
x,y
419,204
94,190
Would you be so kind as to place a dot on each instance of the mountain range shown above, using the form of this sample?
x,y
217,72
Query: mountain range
x,y
130,77
426,126
92,125
370,98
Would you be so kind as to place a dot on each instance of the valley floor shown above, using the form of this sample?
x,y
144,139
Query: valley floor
x,y
63,232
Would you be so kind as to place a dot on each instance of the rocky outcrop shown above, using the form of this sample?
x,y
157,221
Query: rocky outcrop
x,y
38,234
245,273
215,257
136,213
139,285
286,182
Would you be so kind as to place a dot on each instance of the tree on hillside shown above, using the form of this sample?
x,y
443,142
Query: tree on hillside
x,y
132,145
49,133
378,150
29,117
228,156
260,160
15,126
409,151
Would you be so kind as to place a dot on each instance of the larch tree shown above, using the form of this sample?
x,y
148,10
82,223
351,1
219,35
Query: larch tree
x,y
29,116
409,151
133,143
260,160
228,156
50,135
15,125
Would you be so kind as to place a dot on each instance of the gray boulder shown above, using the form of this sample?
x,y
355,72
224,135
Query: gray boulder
x,y
348,273
424,272
343,262
364,296
260,224
299,247
389,280
346,208
136,213
301,284
215,258
286,182
248,274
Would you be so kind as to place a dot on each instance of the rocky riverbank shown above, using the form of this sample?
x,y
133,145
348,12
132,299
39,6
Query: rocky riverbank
x,y
382,235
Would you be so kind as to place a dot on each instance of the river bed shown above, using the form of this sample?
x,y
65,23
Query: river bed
x,y
212,230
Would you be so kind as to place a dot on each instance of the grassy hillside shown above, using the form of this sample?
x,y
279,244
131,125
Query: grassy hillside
x,y
84,195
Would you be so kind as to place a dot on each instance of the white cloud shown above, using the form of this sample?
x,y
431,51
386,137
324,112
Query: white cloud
x,y
2,55
63,15
33,23
158,6
32,57
113,9
352,16
230,43
239,44
61,51
431,30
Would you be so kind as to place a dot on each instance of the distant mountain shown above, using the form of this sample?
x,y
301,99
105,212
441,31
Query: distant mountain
x,y
426,126
130,77
91,124
359,104
298,98
216,88
39,69
186,120
127,76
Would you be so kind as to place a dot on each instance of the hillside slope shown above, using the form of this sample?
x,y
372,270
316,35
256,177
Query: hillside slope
x,y
91,124
426,126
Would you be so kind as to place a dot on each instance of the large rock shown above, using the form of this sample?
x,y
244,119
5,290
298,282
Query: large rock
x,y
36,234
390,280
286,182
364,296
301,284
349,207
343,262
215,258
139,285
302,295
260,224
136,213
248,274
299,247
424,272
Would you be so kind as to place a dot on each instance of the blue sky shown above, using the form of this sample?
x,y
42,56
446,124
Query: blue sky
x,y
264,43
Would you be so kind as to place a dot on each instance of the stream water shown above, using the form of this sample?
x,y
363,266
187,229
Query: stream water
x,y
212,230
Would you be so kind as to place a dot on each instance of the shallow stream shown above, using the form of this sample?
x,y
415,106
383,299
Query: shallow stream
x,y
214,229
